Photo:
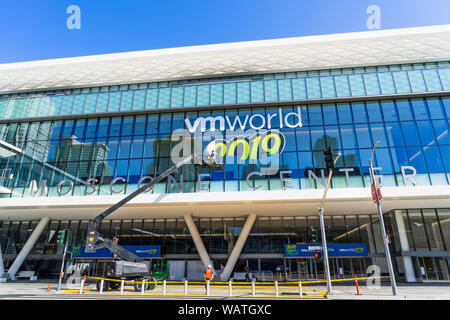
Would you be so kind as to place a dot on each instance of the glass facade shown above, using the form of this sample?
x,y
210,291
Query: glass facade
x,y
64,143
120,151
306,85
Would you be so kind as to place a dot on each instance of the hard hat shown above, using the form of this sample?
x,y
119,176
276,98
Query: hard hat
x,y
209,266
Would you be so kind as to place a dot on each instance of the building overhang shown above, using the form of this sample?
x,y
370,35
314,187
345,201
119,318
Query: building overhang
x,y
226,204
379,47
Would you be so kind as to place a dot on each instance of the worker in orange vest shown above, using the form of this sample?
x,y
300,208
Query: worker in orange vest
x,y
209,275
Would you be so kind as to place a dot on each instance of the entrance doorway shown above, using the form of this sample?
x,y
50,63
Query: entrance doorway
x,y
432,268
313,269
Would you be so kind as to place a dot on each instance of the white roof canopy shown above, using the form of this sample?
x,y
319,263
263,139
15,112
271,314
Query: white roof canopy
x,y
378,47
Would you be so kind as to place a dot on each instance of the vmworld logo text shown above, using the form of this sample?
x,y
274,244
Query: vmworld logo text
x,y
290,120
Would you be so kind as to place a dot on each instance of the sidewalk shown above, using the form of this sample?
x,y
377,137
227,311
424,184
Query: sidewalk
x,y
405,291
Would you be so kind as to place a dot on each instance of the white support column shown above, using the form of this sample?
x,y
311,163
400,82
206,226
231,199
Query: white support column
x,y
27,247
198,242
238,247
407,262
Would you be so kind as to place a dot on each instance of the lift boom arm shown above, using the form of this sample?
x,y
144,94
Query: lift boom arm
x,y
95,241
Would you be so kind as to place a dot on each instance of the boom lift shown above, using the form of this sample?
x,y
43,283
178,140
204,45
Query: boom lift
x,y
127,265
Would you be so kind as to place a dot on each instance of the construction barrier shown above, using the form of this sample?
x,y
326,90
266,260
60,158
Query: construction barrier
x,y
289,289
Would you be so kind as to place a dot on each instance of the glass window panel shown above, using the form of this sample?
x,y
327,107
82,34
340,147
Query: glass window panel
x,y
203,95
445,151
348,136
56,103
114,101
79,128
441,128
386,83
373,111
139,100
383,160
315,115
127,126
299,89
78,106
243,92
152,124
67,104
363,136
401,82
91,127
327,85
394,134
257,91
416,159
91,102
177,97
190,96
270,90
150,148
127,100
344,113
410,133
432,80
359,112
433,159
313,88
229,93
435,108
114,129
285,89
419,108
445,78
444,221
333,138
371,82
165,123
318,138
378,134
45,108
357,85
216,94
404,109
303,139
163,98
329,113
102,102
342,86
426,132
389,110
417,81
418,230
151,101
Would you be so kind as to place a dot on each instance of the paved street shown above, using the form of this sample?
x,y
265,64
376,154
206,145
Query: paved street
x,y
39,290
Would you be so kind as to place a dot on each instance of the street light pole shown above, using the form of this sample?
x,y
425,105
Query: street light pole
x,y
383,230
322,231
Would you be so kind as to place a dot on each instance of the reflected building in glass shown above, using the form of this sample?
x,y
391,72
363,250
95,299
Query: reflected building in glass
x,y
79,144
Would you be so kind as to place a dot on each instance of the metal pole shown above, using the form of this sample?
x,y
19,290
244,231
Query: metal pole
x,y
383,230
63,262
322,231
325,252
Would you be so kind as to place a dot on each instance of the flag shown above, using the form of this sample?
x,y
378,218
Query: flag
x,y
378,188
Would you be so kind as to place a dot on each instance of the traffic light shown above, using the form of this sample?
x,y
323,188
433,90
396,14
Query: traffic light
x,y
314,235
329,161
317,255
61,237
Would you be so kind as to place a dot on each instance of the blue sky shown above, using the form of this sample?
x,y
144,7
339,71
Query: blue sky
x,y
36,29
